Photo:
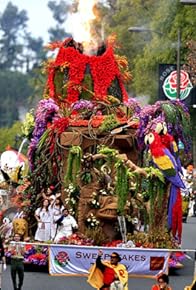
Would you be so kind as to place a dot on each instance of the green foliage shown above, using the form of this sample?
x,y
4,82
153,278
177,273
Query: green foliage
x,y
14,93
12,24
59,12
155,188
28,124
154,173
110,122
87,90
7,136
145,50
108,152
58,82
73,164
121,187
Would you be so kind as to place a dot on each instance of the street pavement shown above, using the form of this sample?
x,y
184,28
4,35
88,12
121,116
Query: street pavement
x,y
178,278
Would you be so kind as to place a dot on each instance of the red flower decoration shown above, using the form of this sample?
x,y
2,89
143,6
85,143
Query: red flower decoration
x,y
104,69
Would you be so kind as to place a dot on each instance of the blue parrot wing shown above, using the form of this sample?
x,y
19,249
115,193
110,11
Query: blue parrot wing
x,y
168,166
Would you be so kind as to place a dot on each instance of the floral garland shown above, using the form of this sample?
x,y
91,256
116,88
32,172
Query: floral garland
x,y
55,130
47,110
104,69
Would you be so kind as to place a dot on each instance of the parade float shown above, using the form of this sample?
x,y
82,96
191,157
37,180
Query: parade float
x,y
115,163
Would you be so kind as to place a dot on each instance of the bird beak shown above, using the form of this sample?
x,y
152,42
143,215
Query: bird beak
x,y
146,140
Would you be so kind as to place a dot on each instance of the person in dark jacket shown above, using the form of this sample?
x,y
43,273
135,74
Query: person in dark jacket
x,y
2,260
17,265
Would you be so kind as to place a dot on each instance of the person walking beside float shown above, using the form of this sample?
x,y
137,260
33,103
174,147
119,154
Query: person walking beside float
x,y
108,275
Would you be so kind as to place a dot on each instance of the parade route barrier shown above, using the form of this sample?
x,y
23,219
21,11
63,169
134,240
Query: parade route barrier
x,y
75,260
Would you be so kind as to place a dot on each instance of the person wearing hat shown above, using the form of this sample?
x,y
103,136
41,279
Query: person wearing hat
x,y
162,283
108,275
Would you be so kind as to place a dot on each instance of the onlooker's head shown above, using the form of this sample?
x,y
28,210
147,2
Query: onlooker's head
x,y
17,237
163,280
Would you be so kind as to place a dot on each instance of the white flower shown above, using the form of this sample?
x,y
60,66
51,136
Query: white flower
x,y
103,192
88,220
92,224
73,200
71,187
93,201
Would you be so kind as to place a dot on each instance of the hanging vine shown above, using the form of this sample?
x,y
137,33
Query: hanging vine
x,y
73,165
122,188
156,189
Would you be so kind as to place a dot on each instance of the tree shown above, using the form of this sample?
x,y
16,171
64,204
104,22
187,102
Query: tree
x,y
8,136
146,50
34,53
12,30
60,12
21,55
14,93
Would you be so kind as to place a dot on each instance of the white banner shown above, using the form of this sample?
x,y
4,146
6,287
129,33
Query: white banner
x,y
76,260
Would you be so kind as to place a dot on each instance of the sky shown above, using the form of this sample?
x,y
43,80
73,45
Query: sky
x,y
40,16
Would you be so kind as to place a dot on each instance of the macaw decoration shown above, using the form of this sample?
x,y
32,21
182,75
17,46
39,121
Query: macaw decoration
x,y
169,142
166,163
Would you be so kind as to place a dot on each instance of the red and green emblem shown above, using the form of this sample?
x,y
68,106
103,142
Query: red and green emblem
x,y
170,85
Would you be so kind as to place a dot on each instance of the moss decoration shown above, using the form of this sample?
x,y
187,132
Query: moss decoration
x,y
121,187
87,88
156,190
110,122
59,82
73,165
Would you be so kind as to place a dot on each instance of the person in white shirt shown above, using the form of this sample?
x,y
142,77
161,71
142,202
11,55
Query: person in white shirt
x,y
43,216
56,208
66,224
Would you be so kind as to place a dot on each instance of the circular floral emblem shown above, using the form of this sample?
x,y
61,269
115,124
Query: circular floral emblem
x,y
170,85
62,259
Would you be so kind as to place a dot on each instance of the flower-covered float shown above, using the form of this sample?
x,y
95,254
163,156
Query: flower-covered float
x,y
113,161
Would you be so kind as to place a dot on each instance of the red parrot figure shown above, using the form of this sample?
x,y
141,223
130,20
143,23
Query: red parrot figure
x,y
166,163
169,142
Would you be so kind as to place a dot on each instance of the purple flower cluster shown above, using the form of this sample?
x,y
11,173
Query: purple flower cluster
x,y
46,112
83,105
133,105
150,115
36,255
175,259
146,115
